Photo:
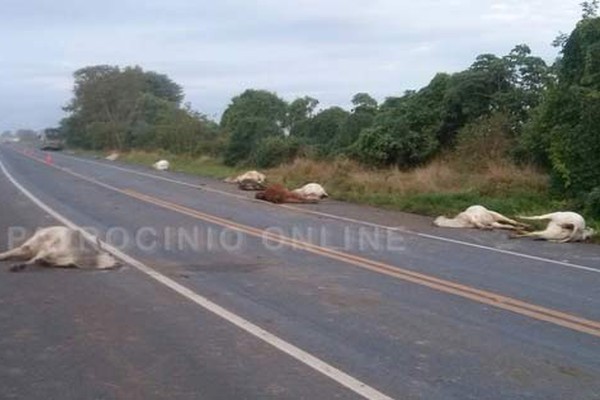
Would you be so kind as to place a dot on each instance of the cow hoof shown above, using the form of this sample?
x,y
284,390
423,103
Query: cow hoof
x,y
17,267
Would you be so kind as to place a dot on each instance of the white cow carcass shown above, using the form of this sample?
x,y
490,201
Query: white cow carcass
x,y
563,226
478,217
311,191
59,246
112,156
161,165
248,176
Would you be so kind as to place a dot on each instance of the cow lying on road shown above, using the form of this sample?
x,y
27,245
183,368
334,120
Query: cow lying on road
x,y
312,191
59,246
278,194
479,217
563,226
249,175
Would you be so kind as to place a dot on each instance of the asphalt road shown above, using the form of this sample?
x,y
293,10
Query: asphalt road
x,y
405,309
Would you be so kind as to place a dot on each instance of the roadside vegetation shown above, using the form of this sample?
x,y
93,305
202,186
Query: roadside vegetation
x,y
510,132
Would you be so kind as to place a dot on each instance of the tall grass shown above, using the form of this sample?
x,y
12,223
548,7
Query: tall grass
x,y
442,186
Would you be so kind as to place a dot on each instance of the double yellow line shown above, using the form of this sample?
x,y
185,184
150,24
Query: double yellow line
x,y
482,296
442,285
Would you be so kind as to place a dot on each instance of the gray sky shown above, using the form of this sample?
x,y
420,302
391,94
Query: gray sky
x,y
328,49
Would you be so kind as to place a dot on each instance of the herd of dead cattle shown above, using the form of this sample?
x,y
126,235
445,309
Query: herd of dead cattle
x,y
64,247
563,226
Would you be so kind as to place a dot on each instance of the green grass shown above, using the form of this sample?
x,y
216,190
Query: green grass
x,y
434,204
203,166
200,166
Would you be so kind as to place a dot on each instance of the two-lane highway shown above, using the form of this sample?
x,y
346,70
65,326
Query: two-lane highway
x,y
415,312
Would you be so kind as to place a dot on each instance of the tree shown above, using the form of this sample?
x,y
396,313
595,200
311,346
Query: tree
x,y
162,87
247,133
560,40
376,147
324,129
117,108
361,117
254,104
392,142
473,93
364,102
589,9
422,111
275,150
565,131
300,111
251,116
183,131
530,76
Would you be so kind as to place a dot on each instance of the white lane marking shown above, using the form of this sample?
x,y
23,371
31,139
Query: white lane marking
x,y
513,253
308,359
352,220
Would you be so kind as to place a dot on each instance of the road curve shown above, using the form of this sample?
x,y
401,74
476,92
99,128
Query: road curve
x,y
416,312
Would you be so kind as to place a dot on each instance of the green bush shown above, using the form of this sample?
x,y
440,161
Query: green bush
x,y
274,150
575,146
592,204
566,128
375,147
393,143
487,139
245,136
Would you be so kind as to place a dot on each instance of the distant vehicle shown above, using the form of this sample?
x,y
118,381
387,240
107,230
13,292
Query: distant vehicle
x,y
52,145
51,140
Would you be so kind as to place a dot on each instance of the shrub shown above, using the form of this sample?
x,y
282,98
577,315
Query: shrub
x,y
393,143
275,150
592,204
483,141
245,136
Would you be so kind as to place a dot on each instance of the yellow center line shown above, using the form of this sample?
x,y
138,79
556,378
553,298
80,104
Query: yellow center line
x,y
482,296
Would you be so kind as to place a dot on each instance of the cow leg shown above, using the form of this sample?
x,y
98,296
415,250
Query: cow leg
x,y
20,253
484,227
18,267
38,259
522,234
500,225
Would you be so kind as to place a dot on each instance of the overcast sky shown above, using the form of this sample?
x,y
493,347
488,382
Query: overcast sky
x,y
327,49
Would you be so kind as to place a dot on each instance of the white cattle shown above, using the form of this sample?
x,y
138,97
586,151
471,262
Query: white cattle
x,y
311,190
248,176
112,156
563,226
161,165
59,246
478,217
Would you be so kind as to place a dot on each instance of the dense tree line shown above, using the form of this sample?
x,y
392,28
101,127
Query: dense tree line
x,y
550,115
404,131
116,108
564,132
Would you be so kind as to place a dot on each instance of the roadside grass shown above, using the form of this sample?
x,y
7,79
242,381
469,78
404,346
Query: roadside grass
x,y
441,187
204,166
445,186
201,166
